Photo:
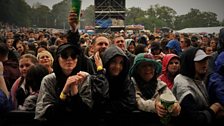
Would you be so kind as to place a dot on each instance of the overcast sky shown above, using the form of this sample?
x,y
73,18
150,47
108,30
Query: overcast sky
x,y
180,6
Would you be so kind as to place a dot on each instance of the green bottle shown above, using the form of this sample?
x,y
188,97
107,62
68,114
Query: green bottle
x,y
76,6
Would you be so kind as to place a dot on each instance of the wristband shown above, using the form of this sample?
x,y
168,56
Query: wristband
x,y
63,96
99,68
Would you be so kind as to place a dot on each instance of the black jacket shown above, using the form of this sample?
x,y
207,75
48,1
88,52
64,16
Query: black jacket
x,y
118,94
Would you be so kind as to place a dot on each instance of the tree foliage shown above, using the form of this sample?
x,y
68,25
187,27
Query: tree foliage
x,y
88,17
41,15
15,12
196,18
133,14
18,12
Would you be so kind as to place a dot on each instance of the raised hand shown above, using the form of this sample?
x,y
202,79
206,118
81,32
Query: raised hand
x,y
73,21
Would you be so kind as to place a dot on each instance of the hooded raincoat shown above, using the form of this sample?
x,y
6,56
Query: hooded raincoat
x,y
165,76
121,93
191,93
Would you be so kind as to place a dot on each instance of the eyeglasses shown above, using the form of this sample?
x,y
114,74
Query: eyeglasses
x,y
66,55
174,63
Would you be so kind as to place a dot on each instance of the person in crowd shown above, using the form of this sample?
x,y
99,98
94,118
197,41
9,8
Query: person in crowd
x,y
119,41
117,94
208,50
213,43
141,48
144,73
173,46
89,51
99,45
33,80
220,48
170,68
45,58
185,43
11,69
19,91
21,48
156,51
215,85
4,92
194,41
9,43
142,40
163,44
190,90
130,45
41,48
73,37
63,97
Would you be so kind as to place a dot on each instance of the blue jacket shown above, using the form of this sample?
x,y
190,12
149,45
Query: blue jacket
x,y
216,81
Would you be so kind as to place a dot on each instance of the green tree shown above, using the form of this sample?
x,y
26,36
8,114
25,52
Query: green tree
x,y
132,14
196,18
88,18
210,19
41,16
222,23
60,14
15,12
163,14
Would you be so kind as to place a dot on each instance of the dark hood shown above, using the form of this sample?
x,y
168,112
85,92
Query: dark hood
x,y
110,53
219,63
187,62
220,45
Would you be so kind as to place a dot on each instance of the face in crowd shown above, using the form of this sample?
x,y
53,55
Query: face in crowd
x,y
173,66
146,71
25,62
68,60
120,42
101,44
116,65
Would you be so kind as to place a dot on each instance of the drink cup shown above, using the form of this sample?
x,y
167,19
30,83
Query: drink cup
x,y
167,100
76,6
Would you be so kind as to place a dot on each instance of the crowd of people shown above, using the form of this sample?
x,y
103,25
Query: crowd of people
x,y
66,76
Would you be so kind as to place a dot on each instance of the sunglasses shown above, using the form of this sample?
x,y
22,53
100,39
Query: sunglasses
x,y
67,54
173,62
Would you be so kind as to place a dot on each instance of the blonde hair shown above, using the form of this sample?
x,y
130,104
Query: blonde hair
x,y
45,53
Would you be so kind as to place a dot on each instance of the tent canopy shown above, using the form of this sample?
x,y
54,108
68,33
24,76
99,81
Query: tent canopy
x,y
201,30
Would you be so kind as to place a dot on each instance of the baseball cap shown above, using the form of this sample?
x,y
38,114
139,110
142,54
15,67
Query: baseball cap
x,y
200,55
